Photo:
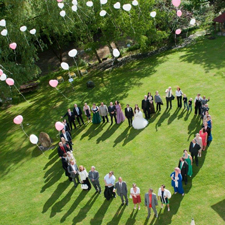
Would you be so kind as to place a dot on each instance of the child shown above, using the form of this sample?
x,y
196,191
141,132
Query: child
x,y
185,101
189,104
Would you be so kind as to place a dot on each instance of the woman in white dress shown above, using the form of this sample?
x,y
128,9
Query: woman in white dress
x,y
139,122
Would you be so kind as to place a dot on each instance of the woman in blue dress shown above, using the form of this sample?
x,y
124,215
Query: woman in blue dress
x,y
176,181
209,124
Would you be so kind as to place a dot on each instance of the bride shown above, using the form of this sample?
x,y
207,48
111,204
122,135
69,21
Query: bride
x,y
139,122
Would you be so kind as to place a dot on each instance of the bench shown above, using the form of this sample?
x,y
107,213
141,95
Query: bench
x,y
29,87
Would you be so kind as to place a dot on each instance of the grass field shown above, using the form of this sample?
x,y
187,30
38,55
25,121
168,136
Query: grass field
x,y
33,187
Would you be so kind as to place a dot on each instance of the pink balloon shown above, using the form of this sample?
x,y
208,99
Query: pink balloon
x,y
179,13
13,45
18,119
59,0
1,72
59,126
53,83
176,3
178,31
10,81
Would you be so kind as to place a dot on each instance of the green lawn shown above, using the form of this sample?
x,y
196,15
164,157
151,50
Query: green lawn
x,y
34,189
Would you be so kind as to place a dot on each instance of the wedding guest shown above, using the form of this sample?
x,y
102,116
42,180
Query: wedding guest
x,y
176,181
204,119
70,157
121,188
71,118
62,149
163,196
209,121
103,112
199,142
112,112
78,114
151,102
204,135
198,104
183,165
96,118
169,95
63,140
135,193
146,107
188,159
87,112
109,180
151,202
204,109
66,126
179,97
158,101
193,149
84,177
65,165
204,100
74,172
66,135
208,128
185,101
119,113
93,176
189,105
129,114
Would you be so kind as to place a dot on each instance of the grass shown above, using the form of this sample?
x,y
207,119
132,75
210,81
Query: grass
x,y
34,189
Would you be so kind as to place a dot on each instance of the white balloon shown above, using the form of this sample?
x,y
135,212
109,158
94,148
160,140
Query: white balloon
x,y
193,21
2,23
116,52
127,7
135,3
4,32
103,13
3,77
65,66
74,8
23,28
89,3
33,139
61,5
72,53
103,2
62,13
33,31
153,14
117,5
74,2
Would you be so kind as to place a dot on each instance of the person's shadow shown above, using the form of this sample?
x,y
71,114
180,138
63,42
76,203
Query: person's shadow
x,y
181,114
131,220
173,116
110,130
83,211
122,136
165,115
194,126
117,216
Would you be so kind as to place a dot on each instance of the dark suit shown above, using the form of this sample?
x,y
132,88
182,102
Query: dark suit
x,y
65,166
193,149
61,152
184,170
129,114
71,119
145,105
78,115
122,191
74,174
111,110
67,127
68,139
94,178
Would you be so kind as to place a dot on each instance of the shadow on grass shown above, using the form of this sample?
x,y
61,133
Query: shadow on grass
x,y
194,126
163,116
131,220
117,216
219,208
173,116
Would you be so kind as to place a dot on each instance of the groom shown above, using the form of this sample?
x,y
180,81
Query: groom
x,y
129,114
146,107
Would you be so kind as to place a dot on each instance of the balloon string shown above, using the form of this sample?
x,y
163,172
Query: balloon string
x,y
47,6
42,151
21,125
61,93
5,69
67,26
20,93
83,12
131,23
26,39
76,66
141,13
8,33
121,12
39,43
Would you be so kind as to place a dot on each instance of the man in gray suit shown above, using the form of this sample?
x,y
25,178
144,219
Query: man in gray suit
x,y
73,171
151,202
121,188
93,175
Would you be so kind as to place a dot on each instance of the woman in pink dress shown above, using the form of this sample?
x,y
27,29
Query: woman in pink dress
x,y
119,113
204,136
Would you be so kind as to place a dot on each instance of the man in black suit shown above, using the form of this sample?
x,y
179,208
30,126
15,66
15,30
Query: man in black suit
x,y
62,149
66,126
129,114
65,166
73,171
193,149
66,135
112,112
183,165
71,118
146,107
121,188
78,114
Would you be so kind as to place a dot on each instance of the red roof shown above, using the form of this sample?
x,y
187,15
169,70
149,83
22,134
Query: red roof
x,y
220,19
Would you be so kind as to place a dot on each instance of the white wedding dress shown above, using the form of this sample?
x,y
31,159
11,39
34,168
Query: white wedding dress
x,y
139,122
